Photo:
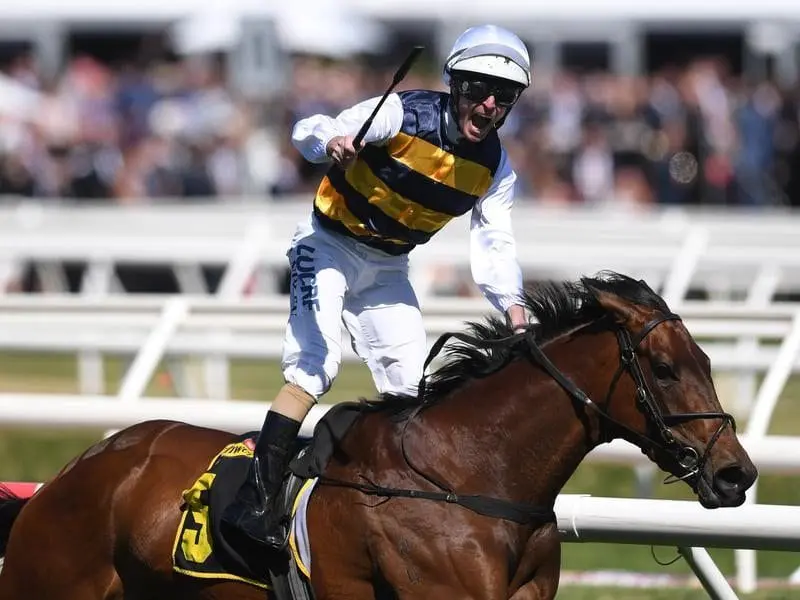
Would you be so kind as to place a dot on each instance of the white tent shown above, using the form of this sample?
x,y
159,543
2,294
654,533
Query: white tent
x,y
323,27
328,27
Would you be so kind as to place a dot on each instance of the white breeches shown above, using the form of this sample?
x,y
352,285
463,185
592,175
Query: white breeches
x,y
337,280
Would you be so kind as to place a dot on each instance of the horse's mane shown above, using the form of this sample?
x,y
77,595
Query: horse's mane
x,y
559,307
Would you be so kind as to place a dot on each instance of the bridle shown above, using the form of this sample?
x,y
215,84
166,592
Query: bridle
x,y
664,440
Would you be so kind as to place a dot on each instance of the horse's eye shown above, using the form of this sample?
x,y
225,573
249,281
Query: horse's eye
x,y
663,371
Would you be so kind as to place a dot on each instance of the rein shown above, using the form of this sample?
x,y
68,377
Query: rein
x,y
524,514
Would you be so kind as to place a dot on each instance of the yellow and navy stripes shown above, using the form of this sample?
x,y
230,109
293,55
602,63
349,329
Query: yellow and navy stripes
x,y
399,195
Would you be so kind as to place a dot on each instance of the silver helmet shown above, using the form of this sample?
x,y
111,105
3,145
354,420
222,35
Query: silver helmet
x,y
492,51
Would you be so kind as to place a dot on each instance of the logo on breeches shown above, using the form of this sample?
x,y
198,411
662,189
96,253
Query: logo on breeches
x,y
304,279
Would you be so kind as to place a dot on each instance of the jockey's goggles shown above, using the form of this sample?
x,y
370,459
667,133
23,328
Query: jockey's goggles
x,y
476,90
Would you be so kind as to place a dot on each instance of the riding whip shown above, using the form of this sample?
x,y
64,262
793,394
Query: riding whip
x,y
401,72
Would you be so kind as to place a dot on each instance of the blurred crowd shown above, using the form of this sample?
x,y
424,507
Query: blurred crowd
x,y
694,135
164,129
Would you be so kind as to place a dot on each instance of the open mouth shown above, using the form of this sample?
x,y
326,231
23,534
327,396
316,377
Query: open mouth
x,y
707,495
480,122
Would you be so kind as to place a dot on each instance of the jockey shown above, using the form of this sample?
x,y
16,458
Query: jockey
x,y
428,157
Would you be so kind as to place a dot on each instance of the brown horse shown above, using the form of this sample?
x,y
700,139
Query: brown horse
x,y
446,496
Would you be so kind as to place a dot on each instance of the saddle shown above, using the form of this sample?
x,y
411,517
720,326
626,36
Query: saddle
x,y
202,551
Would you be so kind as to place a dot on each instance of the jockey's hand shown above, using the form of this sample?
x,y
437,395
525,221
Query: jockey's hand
x,y
517,318
342,151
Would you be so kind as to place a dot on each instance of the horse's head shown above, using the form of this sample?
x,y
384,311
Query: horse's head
x,y
662,398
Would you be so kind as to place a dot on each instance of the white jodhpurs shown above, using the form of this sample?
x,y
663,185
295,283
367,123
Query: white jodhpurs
x,y
336,280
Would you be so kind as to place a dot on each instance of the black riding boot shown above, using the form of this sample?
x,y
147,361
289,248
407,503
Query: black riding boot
x,y
252,512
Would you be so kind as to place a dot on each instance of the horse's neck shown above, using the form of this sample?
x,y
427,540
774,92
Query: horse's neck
x,y
517,433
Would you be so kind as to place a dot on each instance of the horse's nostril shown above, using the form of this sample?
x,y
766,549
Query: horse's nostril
x,y
730,478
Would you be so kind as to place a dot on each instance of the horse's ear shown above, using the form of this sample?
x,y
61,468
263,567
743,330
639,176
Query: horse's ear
x,y
622,310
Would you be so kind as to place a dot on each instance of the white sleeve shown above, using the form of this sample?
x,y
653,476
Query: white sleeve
x,y
493,253
312,134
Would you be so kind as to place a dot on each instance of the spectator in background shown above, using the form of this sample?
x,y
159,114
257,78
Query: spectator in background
x,y
15,179
136,94
786,140
756,121
593,164
196,180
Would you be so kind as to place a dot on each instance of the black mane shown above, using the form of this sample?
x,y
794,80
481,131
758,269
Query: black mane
x,y
559,307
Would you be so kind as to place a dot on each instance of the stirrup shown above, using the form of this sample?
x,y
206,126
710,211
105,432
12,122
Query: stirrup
x,y
277,538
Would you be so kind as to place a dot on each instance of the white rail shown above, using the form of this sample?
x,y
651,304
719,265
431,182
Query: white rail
x,y
584,518
768,396
771,454
223,328
718,252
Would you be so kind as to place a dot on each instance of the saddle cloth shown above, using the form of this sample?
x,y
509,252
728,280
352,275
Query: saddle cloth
x,y
201,551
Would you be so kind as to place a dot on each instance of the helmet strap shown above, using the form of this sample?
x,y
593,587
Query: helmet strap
x,y
499,124
455,95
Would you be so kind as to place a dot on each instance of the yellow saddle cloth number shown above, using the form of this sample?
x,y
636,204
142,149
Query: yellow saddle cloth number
x,y
196,538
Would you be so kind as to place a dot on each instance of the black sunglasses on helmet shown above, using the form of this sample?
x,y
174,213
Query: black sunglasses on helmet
x,y
505,93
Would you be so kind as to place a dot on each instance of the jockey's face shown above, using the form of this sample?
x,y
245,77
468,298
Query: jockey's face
x,y
482,102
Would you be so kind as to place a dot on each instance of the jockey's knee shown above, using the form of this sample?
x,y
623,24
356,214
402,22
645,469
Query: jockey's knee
x,y
399,368
399,377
